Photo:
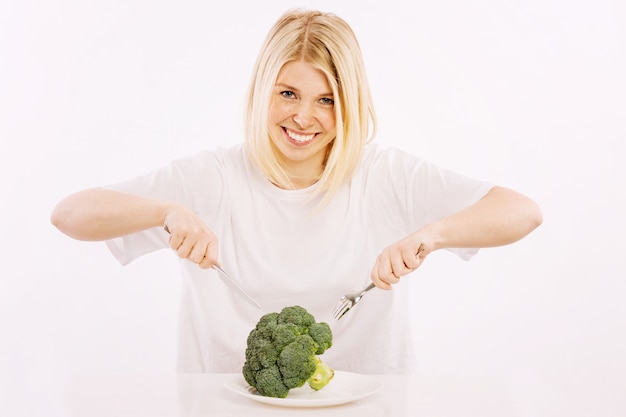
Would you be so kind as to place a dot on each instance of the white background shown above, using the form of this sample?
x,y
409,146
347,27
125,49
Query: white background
x,y
526,93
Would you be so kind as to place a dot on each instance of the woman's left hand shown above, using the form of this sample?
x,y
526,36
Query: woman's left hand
x,y
399,259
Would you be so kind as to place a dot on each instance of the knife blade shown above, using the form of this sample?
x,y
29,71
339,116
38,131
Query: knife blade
x,y
232,284
229,281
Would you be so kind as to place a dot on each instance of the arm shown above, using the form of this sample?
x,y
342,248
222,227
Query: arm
x,y
501,217
98,214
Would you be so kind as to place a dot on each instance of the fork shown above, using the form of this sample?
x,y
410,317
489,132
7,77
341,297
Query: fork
x,y
349,300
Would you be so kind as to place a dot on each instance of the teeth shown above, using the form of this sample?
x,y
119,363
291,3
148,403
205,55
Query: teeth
x,y
299,138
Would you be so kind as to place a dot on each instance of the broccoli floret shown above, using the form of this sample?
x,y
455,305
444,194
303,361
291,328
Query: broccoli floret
x,y
270,382
323,336
296,361
282,351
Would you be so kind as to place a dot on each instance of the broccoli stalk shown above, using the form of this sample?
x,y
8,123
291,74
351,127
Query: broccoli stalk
x,y
322,375
282,353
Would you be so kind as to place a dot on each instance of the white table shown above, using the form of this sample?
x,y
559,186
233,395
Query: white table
x,y
186,395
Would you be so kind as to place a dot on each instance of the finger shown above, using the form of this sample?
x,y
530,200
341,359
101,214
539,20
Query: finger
x,y
210,256
375,277
398,265
175,241
185,248
179,243
206,263
378,282
385,271
410,260
198,252
212,252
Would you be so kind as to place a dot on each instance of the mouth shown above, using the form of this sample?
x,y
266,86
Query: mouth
x,y
299,138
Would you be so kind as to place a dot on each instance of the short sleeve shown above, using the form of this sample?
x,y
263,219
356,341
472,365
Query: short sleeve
x,y
413,192
195,182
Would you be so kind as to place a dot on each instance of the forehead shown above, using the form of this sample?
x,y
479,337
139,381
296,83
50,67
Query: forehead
x,y
303,76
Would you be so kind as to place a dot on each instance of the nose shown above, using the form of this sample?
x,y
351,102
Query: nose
x,y
304,116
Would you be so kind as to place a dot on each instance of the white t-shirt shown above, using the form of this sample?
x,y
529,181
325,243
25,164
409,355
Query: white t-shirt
x,y
283,253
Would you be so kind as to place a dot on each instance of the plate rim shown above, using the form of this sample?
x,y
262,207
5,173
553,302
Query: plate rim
x,y
235,384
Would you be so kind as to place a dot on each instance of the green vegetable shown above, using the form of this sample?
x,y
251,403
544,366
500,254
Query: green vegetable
x,y
282,353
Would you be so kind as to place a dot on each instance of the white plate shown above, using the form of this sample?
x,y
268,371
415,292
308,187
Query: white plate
x,y
345,387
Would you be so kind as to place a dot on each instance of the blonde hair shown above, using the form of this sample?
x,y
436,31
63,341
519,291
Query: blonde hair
x,y
328,43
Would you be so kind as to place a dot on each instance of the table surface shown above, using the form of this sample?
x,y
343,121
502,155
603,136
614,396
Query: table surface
x,y
184,395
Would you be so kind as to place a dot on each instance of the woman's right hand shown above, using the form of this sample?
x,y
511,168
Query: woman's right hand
x,y
190,238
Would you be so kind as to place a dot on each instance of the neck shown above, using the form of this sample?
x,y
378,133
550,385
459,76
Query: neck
x,y
300,183
302,175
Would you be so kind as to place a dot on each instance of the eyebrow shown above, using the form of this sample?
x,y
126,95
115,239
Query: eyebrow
x,y
289,87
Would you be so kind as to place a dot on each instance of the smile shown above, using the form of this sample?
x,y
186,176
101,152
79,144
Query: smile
x,y
298,137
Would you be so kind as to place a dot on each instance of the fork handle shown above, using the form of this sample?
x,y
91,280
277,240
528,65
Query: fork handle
x,y
369,287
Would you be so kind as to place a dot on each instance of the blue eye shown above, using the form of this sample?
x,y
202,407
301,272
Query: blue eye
x,y
327,101
287,94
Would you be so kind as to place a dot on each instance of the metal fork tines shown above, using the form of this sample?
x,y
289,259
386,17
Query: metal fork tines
x,y
348,301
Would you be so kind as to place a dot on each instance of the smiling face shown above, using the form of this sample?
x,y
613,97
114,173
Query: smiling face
x,y
301,121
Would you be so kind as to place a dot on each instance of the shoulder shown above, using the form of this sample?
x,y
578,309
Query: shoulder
x,y
381,160
216,155
397,171
213,160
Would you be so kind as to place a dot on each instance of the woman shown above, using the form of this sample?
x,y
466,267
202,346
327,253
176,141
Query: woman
x,y
304,211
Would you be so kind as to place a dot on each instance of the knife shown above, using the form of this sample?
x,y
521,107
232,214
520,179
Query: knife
x,y
229,281
232,284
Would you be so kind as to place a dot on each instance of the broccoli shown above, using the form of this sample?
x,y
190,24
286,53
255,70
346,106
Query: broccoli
x,y
282,353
